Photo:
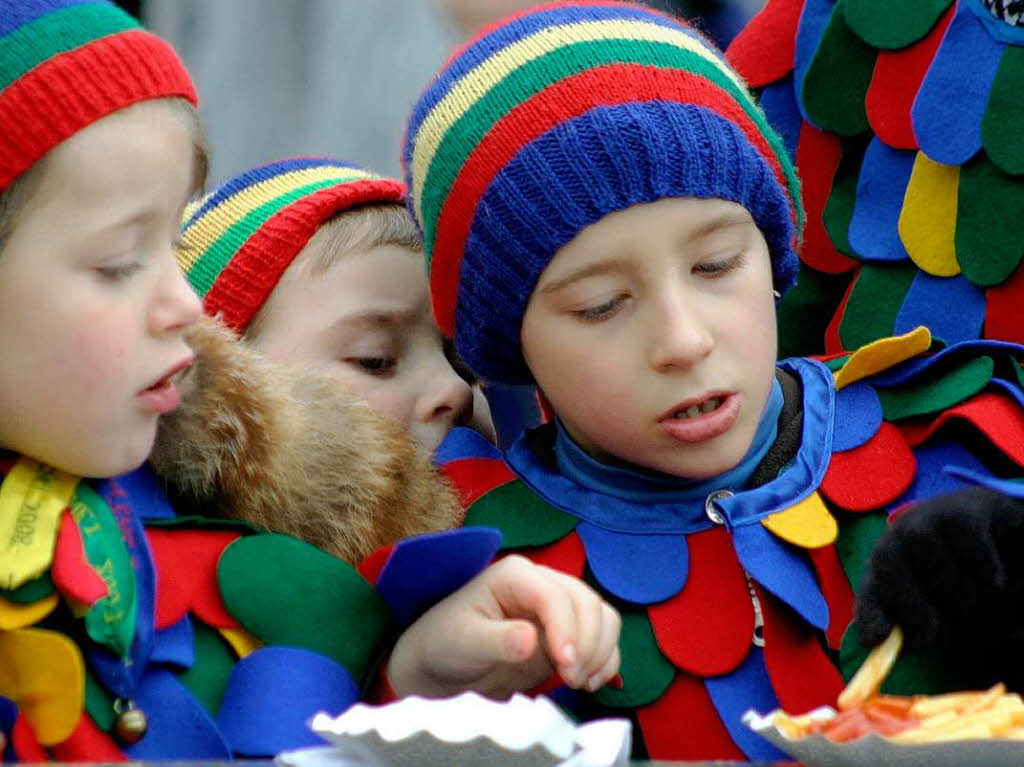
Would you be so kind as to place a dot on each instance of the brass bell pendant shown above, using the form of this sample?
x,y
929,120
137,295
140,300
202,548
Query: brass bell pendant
x,y
131,723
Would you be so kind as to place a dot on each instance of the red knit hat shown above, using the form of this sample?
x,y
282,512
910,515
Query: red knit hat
x,y
64,64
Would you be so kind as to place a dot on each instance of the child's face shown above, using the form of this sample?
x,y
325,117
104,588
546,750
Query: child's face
x,y
92,303
652,333
367,319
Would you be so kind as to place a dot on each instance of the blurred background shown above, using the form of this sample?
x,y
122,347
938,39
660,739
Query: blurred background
x,y
279,78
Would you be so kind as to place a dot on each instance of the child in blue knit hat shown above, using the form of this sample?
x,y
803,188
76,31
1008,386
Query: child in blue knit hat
x,y
607,214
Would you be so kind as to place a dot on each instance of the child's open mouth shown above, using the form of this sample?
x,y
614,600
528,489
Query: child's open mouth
x,y
695,410
704,420
163,397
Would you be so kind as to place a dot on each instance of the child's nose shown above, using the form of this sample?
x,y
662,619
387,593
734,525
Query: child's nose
x,y
679,336
178,307
448,398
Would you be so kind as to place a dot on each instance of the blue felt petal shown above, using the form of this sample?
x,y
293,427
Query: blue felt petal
x,y
8,716
947,111
424,569
748,686
778,101
143,493
635,567
858,416
1007,486
951,307
175,645
1010,387
462,442
874,228
813,20
179,727
273,692
912,368
931,478
513,409
782,571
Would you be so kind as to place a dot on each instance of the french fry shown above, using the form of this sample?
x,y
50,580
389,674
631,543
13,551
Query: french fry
x,y
875,668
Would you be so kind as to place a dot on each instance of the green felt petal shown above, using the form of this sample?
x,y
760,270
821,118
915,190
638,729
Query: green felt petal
x,y
837,363
30,591
875,302
989,228
857,536
646,673
838,78
286,592
805,311
913,674
892,24
931,396
524,518
208,677
838,210
1002,127
99,704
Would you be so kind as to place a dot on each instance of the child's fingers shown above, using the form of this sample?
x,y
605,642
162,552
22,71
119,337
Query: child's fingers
x,y
605,673
590,631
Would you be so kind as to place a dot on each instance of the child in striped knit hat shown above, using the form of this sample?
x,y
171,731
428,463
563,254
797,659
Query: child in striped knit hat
x,y
127,631
607,214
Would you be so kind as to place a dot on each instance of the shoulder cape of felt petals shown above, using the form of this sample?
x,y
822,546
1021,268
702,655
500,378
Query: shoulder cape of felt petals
x,y
15,615
807,523
659,723
885,458
637,568
72,573
749,686
646,673
522,516
995,415
764,49
881,354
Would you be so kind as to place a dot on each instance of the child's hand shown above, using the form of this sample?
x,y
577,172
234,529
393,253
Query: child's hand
x,y
506,631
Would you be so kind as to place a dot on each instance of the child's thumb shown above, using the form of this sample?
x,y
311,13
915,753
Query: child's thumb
x,y
509,641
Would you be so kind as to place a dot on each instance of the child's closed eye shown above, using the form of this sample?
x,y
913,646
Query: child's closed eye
x,y
117,272
601,311
720,267
375,366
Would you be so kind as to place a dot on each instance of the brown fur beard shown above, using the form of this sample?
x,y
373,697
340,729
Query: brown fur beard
x,y
288,449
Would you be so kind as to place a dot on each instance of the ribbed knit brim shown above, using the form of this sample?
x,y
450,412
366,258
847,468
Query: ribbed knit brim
x,y
239,239
550,120
64,64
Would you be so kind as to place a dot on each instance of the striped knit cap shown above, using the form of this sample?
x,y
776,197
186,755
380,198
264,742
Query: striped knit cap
x,y
64,64
550,120
238,240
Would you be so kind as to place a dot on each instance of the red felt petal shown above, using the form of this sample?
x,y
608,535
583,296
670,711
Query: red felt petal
x,y
872,475
764,50
566,555
186,566
1003,319
23,739
370,568
817,157
833,344
72,574
707,627
683,725
995,415
835,586
88,743
472,477
895,82
802,675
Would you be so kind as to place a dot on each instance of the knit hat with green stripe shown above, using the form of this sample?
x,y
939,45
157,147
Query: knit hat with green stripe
x,y
64,64
550,120
239,239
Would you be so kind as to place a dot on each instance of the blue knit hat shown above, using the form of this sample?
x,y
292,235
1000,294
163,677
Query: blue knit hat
x,y
550,120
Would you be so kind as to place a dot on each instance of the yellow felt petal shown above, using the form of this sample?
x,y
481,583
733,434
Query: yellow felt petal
x,y
928,219
808,524
241,641
43,673
14,615
881,354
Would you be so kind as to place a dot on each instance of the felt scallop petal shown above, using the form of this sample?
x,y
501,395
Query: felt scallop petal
x,y
807,524
946,114
932,479
896,81
995,415
818,156
472,477
706,628
936,363
858,414
535,522
802,675
87,743
833,344
989,227
1002,126
835,587
927,223
24,744
567,555
72,573
15,615
174,645
882,354
207,677
875,302
241,641
814,19
1010,487
659,723
463,443
424,569
857,537
758,62
842,198
747,687
273,693
832,103
645,672
638,568
936,394
885,458
778,101
893,25
782,571
874,228
1003,309
804,312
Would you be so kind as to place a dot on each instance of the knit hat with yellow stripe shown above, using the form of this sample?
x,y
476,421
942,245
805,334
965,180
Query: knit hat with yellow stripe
x,y
550,120
238,240
64,64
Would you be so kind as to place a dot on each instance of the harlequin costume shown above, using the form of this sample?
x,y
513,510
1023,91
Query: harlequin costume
x,y
905,122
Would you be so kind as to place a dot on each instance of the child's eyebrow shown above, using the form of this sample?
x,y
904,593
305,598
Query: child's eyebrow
x,y
377,317
590,270
722,221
